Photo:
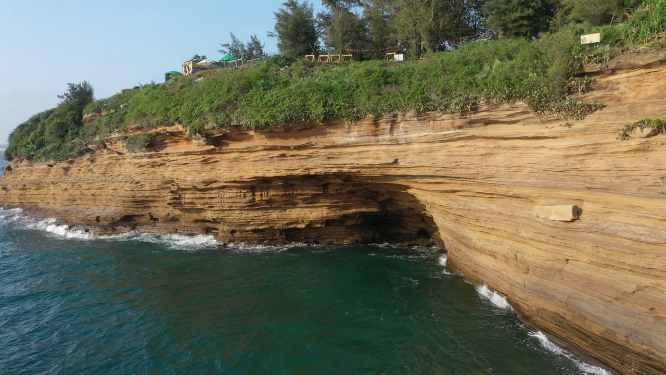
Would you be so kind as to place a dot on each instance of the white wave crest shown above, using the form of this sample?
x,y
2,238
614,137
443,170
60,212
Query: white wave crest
x,y
10,214
171,241
51,226
47,225
494,297
442,262
242,247
180,241
584,367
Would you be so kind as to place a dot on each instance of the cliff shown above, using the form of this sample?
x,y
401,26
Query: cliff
x,y
496,187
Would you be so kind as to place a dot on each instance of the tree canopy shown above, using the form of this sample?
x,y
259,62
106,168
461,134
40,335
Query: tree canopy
x,y
78,94
253,49
296,30
516,18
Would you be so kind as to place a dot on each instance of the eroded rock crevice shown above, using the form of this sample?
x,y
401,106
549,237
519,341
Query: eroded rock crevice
x,y
342,209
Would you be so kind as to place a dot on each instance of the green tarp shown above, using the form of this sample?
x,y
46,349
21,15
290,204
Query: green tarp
x,y
228,58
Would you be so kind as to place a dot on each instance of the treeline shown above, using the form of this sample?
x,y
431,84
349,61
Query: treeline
x,y
372,25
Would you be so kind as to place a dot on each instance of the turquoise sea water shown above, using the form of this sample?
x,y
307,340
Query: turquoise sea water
x,y
149,304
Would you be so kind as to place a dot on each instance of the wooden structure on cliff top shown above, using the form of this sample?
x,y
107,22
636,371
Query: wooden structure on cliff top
x,y
192,66
330,58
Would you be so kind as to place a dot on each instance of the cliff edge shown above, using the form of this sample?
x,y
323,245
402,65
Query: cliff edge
x,y
560,216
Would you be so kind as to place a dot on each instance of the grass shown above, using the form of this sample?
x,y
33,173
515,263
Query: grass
x,y
283,90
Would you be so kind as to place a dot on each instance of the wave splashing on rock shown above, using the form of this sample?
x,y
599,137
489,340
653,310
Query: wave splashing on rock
x,y
584,367
494,297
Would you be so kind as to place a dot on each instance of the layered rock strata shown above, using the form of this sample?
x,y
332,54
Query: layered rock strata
x,y
492,186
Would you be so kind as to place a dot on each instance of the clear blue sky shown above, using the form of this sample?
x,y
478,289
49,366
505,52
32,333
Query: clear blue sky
x,y
113,44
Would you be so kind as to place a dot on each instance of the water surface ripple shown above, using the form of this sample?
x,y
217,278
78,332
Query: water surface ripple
x,y
149,304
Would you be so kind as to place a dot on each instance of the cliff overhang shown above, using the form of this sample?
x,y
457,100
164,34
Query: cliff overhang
x,y
558,215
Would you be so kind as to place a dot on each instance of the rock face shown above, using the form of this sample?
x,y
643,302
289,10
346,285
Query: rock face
x,y
472,183
557,213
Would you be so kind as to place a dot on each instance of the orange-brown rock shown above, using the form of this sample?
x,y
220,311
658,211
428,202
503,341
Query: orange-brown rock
x,y
596,285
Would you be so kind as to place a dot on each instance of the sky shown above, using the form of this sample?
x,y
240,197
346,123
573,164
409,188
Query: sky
x,y
45,44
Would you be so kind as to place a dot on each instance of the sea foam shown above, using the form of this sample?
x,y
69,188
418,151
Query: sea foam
x,y
494,297
443,259
584,367
51,226
170,241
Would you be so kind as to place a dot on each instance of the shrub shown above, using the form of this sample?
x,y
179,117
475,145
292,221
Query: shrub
x,y
656,124
139,142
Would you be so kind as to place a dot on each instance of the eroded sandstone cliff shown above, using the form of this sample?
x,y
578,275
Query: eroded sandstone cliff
x,y
477,183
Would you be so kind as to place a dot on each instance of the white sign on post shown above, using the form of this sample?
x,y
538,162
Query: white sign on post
x,y
398,57
590,38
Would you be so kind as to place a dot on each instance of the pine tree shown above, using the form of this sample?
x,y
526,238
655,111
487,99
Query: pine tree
x,y
78,94
476,15
597,12
234,48
342,27
428,22
254,49
378,16
296,30
516,18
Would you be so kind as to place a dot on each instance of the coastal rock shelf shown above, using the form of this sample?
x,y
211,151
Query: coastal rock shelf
x,y
559,216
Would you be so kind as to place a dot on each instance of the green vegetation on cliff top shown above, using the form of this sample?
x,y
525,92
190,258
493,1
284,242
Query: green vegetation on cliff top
x,y
282,90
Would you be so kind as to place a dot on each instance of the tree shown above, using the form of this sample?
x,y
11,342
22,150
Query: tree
x,y
515,18
378,15
296,30
476,15
78,95
197,58
253,49
597,12
343,29
430,21
234,48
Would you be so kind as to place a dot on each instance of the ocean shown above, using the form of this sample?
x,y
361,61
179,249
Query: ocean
x,y
173,304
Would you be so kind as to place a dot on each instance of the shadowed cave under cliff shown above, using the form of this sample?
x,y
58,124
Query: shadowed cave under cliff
x,y
351,209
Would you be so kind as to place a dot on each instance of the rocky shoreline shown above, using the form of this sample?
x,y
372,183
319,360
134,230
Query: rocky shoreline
x,y
559,216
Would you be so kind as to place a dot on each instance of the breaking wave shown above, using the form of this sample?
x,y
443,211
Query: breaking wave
x,y
51,226
170,241
584,367
241,247
442,262
47,225
494,297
